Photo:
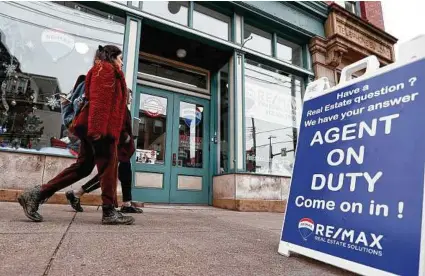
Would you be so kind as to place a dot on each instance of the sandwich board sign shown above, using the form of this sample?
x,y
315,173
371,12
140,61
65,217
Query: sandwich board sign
x,y
356,199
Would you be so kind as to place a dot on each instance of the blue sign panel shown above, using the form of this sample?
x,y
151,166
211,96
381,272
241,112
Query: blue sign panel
x,y
358,183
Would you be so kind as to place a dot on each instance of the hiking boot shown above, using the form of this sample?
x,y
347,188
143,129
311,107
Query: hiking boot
x,y
74,201
113,217
30,200
131,210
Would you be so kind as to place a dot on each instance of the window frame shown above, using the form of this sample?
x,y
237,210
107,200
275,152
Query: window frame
x,y
214,14
258,31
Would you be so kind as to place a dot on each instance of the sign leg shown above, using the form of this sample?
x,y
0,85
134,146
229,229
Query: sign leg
x,y
284,249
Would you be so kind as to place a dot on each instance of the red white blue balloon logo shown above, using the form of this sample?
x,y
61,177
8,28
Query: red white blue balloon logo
x,y
306,227
192,117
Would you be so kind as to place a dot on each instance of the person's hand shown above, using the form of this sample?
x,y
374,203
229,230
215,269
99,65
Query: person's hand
x,y
128,139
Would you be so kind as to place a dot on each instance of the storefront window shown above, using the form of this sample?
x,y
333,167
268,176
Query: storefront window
x,y
289,52
257,40
44,47
176,11
273,102
211,22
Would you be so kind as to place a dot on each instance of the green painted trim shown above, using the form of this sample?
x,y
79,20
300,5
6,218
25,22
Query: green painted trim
x,y
134,104
233,34
235,111
243,114
317,8
125,43
190,14
274,45
161,195
242,30
306,58
262,13
213,154
228,120
136,60
192,196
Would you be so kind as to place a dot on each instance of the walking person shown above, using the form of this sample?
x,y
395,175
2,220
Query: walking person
x,y
126,150
98,126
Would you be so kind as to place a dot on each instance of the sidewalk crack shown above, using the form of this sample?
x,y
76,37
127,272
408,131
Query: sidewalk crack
x,y
49,265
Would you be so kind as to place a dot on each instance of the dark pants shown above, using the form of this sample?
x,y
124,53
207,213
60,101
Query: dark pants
x,y
103,155
124,175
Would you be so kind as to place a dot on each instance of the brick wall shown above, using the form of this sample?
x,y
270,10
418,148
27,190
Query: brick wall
x,y
371,11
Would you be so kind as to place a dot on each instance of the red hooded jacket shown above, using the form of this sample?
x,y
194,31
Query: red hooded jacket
x,y
106,92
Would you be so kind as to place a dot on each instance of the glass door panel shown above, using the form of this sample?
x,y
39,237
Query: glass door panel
x,y
190,170
191,125
152,160
151,142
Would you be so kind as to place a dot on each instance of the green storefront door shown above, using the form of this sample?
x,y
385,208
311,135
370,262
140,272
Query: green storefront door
x,y
171,160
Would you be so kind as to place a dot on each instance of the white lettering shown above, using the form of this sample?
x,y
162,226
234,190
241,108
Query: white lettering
x,y
361,239
376,241
329,231
372,181
314,186
317,138
387,120
319,229
348,129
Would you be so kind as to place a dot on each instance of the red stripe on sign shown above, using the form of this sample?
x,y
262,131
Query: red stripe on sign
x,y
307,219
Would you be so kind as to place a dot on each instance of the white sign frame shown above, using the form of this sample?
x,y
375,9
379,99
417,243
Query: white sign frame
x,y
414,51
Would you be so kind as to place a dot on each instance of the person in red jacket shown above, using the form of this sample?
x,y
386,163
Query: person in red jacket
x,y
98,126
126,150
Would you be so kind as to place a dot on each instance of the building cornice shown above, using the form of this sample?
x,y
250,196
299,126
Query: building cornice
x,y
362,23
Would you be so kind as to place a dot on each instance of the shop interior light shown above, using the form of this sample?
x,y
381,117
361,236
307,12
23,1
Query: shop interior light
x,y
181,53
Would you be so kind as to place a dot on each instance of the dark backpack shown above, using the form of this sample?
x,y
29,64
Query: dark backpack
x,y
74,105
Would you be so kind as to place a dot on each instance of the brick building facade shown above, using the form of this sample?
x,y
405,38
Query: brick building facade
x,y
353,30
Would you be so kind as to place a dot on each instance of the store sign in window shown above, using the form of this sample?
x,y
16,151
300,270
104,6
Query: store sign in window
x,y
176,11
272,115
44,47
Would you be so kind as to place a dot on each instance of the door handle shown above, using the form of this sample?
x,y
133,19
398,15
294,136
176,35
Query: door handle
x,y
174,161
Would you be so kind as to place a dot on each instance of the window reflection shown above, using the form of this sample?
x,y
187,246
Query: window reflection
x,y
272,114
152,130
191,126
289,52
44,47
257,40
176,11
211,22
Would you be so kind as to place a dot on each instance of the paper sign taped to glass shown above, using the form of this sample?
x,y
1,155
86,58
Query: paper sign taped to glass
x,y
357,192
269,97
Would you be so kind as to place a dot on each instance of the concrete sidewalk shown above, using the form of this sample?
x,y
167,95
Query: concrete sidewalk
x,y
164,241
